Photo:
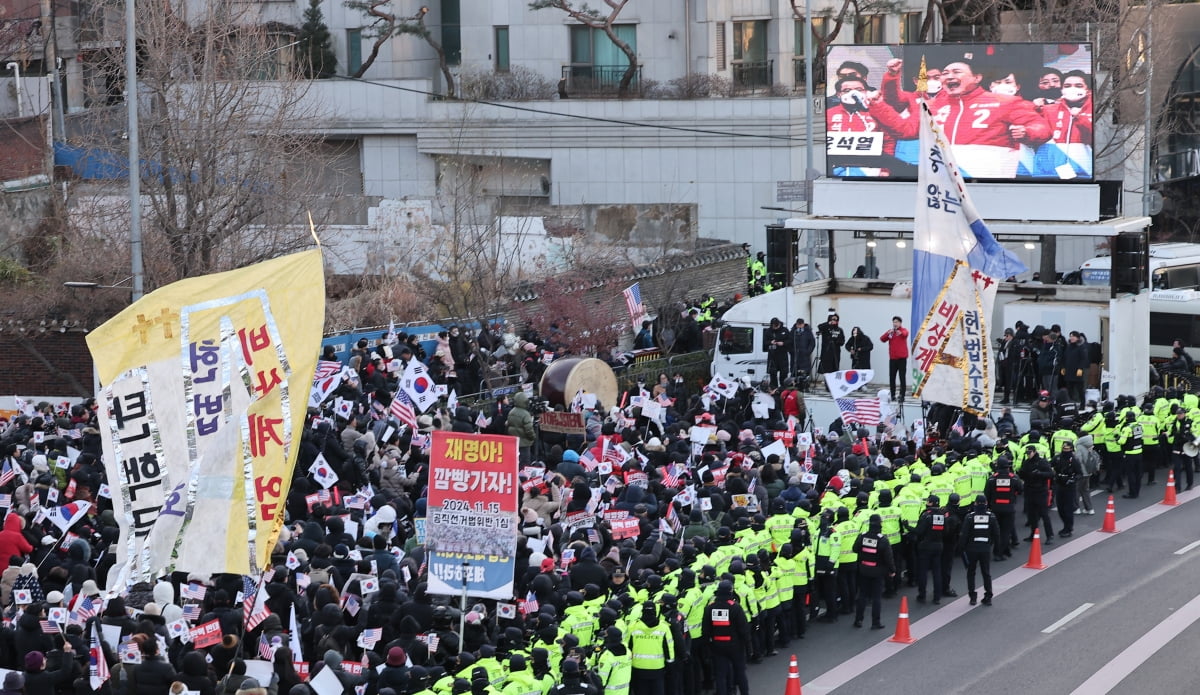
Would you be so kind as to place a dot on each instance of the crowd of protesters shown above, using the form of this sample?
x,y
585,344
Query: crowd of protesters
x,y
746,517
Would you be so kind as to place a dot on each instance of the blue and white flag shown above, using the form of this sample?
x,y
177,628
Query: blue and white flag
x,y
957,266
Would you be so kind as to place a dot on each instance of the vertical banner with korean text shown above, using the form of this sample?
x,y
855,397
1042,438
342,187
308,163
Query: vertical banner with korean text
x,y
471,527
205,383
957,266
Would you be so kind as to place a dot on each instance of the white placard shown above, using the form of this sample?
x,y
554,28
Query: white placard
x,y
326,683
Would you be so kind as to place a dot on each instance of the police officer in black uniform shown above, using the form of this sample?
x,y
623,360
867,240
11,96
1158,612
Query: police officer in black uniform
x,y
980,533
874,564
1067,472
1002,490
931,528
727,632
573,681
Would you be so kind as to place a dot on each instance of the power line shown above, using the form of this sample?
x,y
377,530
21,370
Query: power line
x,y
598,119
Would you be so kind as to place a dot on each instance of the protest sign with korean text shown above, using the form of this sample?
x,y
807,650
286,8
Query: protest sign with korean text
x,y
471,524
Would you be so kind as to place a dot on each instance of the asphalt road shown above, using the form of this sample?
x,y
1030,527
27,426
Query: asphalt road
x,y
1110,613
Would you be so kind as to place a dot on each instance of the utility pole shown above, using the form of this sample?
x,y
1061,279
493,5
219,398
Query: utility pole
x,y
50,55
135,166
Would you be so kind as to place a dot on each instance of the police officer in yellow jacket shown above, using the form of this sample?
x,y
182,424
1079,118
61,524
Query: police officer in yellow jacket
x,y
649,641
726,633
613,664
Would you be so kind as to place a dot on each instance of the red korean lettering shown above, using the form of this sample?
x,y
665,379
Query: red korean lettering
x,y
263,430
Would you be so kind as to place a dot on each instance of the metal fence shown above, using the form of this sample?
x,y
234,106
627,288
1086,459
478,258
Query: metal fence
x,y
753,75
599,80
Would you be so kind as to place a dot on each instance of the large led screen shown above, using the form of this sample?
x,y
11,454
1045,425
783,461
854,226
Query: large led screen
x,y
1011,111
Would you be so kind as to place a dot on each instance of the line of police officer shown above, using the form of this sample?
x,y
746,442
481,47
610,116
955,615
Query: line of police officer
x,y
747,592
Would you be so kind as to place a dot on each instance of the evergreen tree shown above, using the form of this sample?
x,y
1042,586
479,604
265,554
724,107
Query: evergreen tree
x,y
315,49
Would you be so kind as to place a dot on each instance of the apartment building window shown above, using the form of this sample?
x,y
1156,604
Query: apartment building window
x,y
452,32
501,49
597,65
751,68
719,51
868,28
803,39
353,50
910,27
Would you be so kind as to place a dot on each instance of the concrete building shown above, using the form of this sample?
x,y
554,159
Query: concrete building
x,y
723,158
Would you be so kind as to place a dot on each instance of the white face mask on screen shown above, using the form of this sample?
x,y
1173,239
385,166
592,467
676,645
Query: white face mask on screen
x,y
933,86
1074,93
1009,89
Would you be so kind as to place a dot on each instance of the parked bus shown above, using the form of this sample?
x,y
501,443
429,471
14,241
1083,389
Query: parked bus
x,y
1173,266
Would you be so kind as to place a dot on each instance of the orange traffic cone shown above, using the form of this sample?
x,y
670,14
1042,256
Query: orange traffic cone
x,y
1169,493
902,635
1110,517
1035,552
793,681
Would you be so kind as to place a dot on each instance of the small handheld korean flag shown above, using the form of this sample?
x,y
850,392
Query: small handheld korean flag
x,y
292,561
452,401
322,472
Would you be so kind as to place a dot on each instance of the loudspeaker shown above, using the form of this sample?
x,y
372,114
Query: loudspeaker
x,y
781,255
1130,272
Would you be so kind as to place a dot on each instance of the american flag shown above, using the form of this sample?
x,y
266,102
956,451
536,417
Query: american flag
x,y
326,368
671,476
673,519
860,411
7,473
250,590
588,460
194,590
266,652
48,628
633,302
192,611
530,604
615,454
370,636
956,428
97,665
402,408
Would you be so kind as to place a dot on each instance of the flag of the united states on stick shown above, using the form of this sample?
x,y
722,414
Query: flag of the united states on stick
x,y
633,302
859,411
402,409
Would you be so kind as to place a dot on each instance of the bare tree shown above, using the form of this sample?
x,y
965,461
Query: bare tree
x,y
595,19
227,178
386,24
850,10
1119,129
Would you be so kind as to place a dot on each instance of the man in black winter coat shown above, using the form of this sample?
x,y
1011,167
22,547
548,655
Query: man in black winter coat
x,y
777,343
586,570
832,340
803,345
1075,366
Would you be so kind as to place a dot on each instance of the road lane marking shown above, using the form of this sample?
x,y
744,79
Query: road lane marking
x,y
1188,547
1122,665
858,664
1068,618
